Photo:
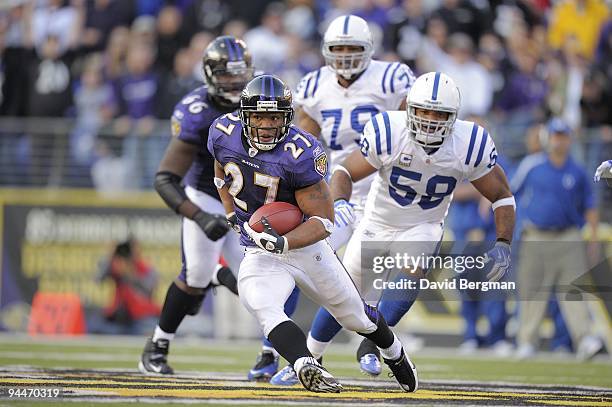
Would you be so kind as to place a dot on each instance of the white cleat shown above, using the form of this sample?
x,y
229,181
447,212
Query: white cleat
x,y
314,377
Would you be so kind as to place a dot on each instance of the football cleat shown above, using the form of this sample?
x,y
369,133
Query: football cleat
x,y
154,359
404,372
224,276
265,367
368,357
370,365
314,377
285,377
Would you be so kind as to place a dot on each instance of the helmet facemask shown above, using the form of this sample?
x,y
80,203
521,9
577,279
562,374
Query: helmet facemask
x,y
429,132
261,137
225,82
347,64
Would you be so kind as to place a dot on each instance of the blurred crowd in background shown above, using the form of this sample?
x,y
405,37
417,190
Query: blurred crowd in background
x,y
117,67
88,86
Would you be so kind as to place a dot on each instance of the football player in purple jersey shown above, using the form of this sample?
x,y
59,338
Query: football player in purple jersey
x,y
185,182
260,157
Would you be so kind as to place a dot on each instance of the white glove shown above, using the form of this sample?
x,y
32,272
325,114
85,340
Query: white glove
x,y
344,213
604,167
268,240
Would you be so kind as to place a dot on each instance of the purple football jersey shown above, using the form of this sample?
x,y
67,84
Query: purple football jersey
x,y
266,176
190,123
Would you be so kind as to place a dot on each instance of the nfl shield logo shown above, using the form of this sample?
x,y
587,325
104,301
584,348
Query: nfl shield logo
x,y
320,164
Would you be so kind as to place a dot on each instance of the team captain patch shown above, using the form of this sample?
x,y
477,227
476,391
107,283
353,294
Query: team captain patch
x,y
320,164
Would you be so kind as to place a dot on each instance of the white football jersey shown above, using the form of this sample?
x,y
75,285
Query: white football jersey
x,y
342,113
412,187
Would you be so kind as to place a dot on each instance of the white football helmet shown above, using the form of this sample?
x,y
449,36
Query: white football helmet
x,y
432,91
348,30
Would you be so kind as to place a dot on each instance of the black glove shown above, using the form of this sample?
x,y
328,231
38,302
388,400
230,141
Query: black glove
x,y
214,226
232,219
268,239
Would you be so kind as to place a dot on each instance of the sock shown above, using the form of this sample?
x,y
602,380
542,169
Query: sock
x,y
290,306
324,326
317,348
382,336
176,305
289,340
394,351
160,334
224,276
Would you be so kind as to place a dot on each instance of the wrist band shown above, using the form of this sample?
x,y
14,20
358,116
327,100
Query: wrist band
x,y
504,202
344,170
327,224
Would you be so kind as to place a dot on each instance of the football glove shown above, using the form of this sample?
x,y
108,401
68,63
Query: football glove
x,y
213,226
232,220
499,257
268,240
604,167
344,213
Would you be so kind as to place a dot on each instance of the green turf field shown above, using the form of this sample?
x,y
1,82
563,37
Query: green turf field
x,y
100,362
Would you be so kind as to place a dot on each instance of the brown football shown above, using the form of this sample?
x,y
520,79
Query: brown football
x,y
283,217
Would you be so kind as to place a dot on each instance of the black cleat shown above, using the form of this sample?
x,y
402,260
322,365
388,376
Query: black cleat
x,y
404,372
224,276
154,359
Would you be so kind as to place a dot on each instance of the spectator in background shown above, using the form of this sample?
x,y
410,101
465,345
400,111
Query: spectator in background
x,y
101,18
555,197
132,310
375,12
176,84
144,30
579,21
406,29
137,90
169,38
59,20
471,78
492,56
525,90
299,19
266,57
235,28
95,106
114,59
15,58
197,47
207,15
461,16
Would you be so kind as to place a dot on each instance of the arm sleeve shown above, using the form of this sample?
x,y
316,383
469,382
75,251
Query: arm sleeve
x,y
481,155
